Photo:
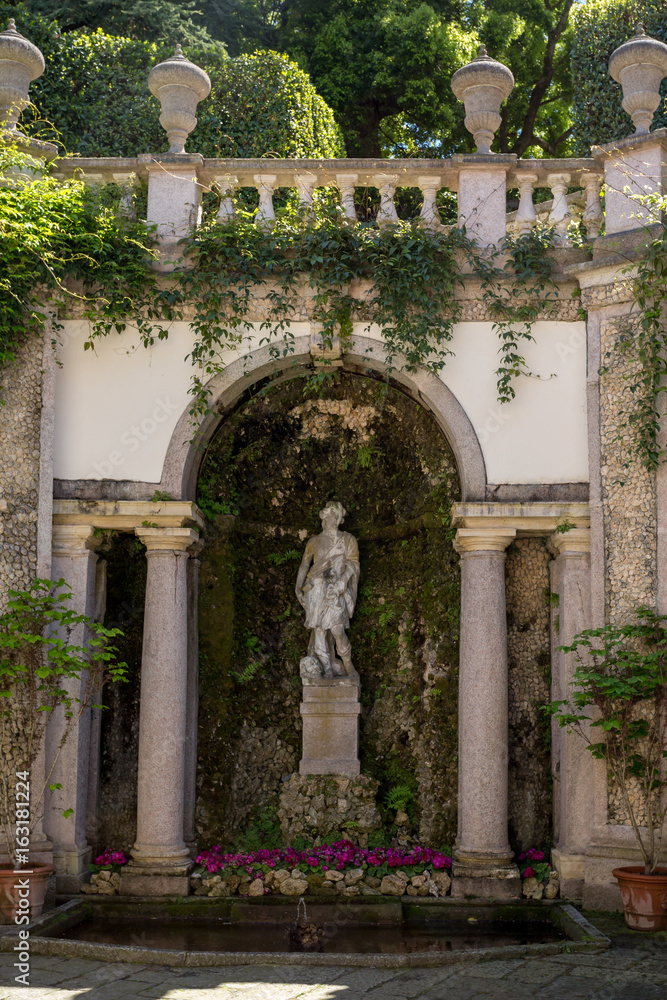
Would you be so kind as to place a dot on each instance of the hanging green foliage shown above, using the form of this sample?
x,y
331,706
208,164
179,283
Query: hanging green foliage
x,y
402,278
52,233
643,343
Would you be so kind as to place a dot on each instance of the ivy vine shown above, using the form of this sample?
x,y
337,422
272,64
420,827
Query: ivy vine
x,y
64,240
643,342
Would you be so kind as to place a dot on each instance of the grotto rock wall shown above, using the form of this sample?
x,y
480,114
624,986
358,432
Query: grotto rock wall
x,y
529,662
267,473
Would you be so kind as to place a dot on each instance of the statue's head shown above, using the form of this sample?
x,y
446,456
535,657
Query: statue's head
x,y
332,509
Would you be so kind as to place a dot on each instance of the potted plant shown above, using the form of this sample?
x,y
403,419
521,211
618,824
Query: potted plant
x,y
51,659
620,690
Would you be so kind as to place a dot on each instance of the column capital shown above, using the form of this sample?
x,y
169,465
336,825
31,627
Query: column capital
x,y
494,539
576,541
74,539
167,539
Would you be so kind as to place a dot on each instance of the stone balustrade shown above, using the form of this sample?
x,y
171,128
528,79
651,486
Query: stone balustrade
x,y
489,175
629,169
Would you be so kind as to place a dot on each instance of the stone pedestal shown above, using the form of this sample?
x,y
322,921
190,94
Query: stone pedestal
x,y
174,200
633,167
482,205
330,711
329,807
483,858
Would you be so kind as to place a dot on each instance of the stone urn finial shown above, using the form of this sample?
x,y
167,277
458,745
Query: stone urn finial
x,y
640,65
179,86
482,85
21,62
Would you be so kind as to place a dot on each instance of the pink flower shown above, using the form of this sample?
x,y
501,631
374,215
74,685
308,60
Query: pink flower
x,y
528,873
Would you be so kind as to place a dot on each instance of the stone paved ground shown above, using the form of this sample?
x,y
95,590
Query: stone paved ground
x,y
634,969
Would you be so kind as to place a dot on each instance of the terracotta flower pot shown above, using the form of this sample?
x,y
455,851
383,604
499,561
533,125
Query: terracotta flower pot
x,y
644,898
10,899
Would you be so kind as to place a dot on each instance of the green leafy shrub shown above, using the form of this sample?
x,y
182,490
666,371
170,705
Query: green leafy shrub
x,y
264,104
44,660
600,27
94,90
620,692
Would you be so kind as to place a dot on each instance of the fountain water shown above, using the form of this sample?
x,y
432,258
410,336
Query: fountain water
x,y
305,935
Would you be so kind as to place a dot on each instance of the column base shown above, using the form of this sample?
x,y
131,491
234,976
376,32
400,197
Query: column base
x,y
156,880
71,869
485,881
571,869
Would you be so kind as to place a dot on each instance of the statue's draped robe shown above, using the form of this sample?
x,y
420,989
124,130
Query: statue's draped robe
x,y
324,607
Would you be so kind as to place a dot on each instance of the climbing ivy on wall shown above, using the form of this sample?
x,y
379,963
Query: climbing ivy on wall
x,y
60,237
643,342
52,233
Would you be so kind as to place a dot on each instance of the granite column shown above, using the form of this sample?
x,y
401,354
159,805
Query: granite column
x,y
73,560
573,771
160,862
483,858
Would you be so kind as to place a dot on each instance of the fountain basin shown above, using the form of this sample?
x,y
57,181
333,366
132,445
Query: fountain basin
x,y
197,931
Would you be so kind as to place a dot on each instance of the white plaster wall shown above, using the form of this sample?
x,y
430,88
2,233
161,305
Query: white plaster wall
x,y
116,408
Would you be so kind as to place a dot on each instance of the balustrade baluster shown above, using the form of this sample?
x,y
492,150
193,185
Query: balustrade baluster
x,y
346,185
560,216
266,185
305,186
228,183
429,217
525,216
386,184
592,217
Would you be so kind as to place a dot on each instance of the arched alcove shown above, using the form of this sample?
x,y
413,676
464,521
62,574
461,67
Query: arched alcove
x,y
363,356
276,457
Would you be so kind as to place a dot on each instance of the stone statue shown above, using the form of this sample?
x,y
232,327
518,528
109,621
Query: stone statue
x,y
326,587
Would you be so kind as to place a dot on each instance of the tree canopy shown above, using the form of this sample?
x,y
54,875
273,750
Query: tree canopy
x,y
94,90
164,21
384,66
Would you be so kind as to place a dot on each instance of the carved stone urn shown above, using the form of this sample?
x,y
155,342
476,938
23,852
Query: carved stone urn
x,y
21,62
640,65
483,85
179,86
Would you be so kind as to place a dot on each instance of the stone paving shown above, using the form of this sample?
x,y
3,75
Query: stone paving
x,y
634,969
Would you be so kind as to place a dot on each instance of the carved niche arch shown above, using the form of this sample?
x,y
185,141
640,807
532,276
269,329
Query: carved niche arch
x,y
187,446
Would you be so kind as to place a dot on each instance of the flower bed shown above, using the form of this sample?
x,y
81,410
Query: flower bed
x,y
105,879
339,868
538,877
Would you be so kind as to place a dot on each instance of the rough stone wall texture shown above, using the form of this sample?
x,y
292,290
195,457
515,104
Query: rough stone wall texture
x,y
629,509
325,806
21,390
529,661
469,296
628,491
119,751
